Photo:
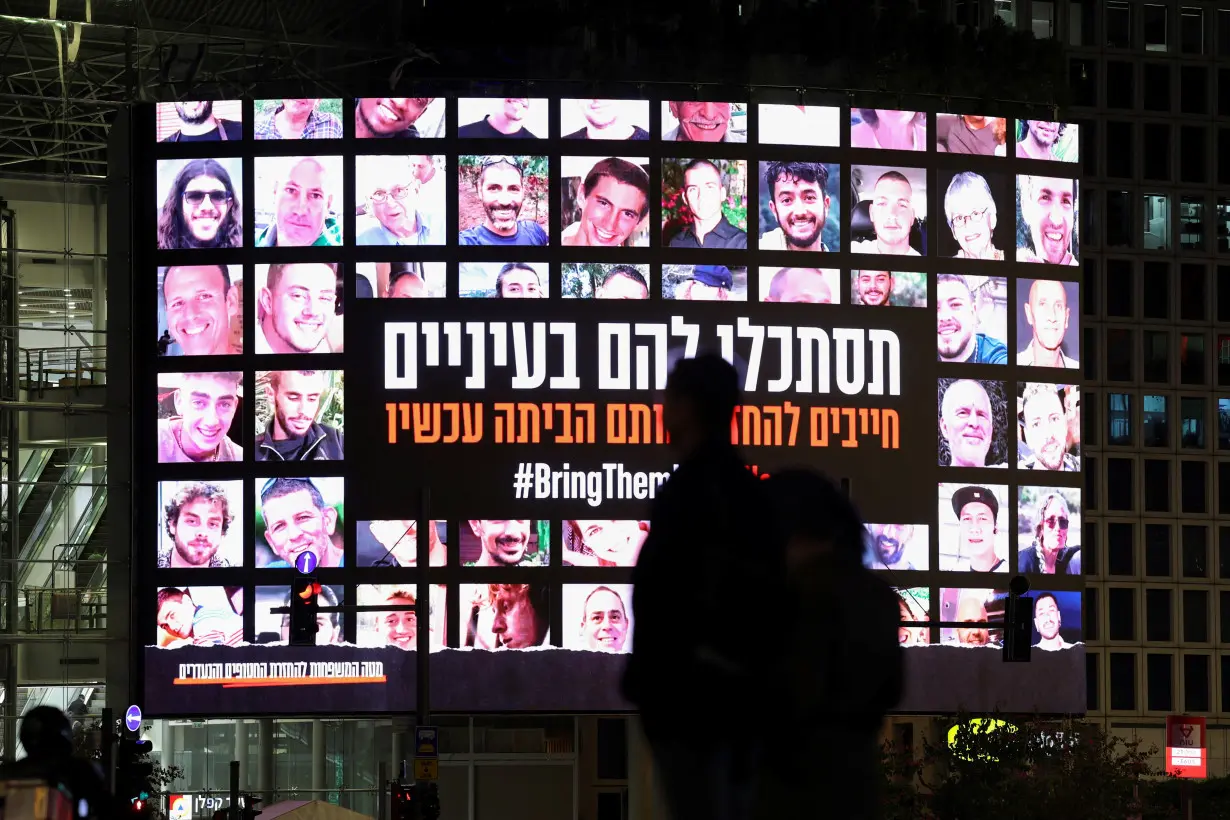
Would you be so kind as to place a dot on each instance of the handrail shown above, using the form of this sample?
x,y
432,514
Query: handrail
x,y
82,609
30,472
78,463
86,364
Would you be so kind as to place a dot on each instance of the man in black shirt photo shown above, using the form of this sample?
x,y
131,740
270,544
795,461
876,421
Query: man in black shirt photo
x,y
704,193
506,121
293,434
606,120
197,123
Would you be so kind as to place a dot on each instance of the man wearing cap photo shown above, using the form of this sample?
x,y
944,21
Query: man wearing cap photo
x,y
708,283
703,195
976,509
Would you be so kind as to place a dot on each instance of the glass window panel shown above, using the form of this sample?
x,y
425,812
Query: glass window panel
x,y
1192,434
1155,27
1119,548
1223,424
1155,421
1120,485
1157,550
1156,356
1156,222
1195,551
1119,419
1159,680
1191,359
1157,615
1123,681
1191,30
1118,355
1119,157
1191,224
1223,360
1156,82
1192,165
1193,89
1193,486
1196,616
1155,302
1120,90
1196,696
1119,278
1157,485
1121,613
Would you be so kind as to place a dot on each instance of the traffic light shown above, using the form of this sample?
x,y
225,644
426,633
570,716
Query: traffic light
x,y
404,804
134,773
1018,622
247,806
429,801
304,603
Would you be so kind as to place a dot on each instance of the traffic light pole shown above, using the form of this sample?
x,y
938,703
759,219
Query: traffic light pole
x,y
107,741
422,714
236,812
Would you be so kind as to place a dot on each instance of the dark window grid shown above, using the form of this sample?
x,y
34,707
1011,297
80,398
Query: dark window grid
x,y
1159,616
1193,423
1157,486
1121,355
1121,549
1197,670
1193,364
1122,426
1195,606
1194,481
1221,495
1159,681
1122,614
1124,681
1159,549
1194,286
1120,487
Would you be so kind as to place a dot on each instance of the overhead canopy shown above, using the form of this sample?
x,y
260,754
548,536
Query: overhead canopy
x,y
309,810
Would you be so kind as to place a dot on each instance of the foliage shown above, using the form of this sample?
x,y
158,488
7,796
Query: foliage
x,y
1058,769
332,405
87,745
535,175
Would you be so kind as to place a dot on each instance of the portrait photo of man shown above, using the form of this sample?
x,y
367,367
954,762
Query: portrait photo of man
x,y
882,288
897,547
297,308
973,532
505,616
605,203
597,618
199,616
490,543
597,543
196,307
1048,531
298,119
972,423
885,128
399,118
272,627
693,121
200,121
1047,330
1046,220
299,515
395,543
798,206
196,417
604,119
890,210
1043,423
201,208
401,280
981,611
195,529
495,192
1045,140
971,134
914,604
704,283
820,286
700,197
300,418
389,206
971,318
1049,620
295,199
971,214
510,280
521,118
604,281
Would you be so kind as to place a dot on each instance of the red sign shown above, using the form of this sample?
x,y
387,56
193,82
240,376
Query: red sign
x,y
1186,755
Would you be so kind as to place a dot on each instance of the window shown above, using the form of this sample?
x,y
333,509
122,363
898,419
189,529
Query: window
x,y
1223,287
1118,355
1119,484
1225,660
1043,19
1119,419
1195,551
1223,553
1157,550
1223,143
1090,463
1088,406
1221,227
1193,486
1123,681
1223,360
1156,81
1121,613
1196,683
1223,424
1118,19
1081,24
1223,488
1120,89
1091,613
1192,154
1195,616
1224,607
1089,147
1089,549
1092,682
1157,615
1191,30
1223,48
1157,357
1083,80
1159,674
1155,421
1119,293
1006,11
1155,28
1156,222
1118,219
1156,164
1119,558
1155,303
1192,296
1192,434
1193,89
1120,161
1191,359
1191,225
1090,349
1157,485
1089,287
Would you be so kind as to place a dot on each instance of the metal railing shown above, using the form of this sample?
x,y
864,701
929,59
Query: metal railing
x,y
64,610
80,461
74,367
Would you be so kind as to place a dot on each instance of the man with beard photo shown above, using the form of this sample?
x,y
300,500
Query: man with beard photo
x,y
503,543
297,520
1044,430
293,434
799,200
1049,554
1038,139
886,545
1048,209
391,117
501,191
957,322
197,519
197,123
873,287
1047,620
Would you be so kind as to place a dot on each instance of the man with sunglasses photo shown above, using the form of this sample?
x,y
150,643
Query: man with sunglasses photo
x,y
501,192
1050,554
392,191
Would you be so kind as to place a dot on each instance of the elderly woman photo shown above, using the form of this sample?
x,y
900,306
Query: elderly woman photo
x,y
970,211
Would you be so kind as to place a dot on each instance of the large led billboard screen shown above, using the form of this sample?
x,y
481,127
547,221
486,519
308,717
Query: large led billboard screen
x,y
356,345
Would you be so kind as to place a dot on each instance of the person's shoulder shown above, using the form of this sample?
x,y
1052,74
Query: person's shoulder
x,y
535,231
639,133
580,134
233,129
471,236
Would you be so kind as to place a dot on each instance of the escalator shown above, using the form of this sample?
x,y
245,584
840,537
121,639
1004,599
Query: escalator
x,y
40,494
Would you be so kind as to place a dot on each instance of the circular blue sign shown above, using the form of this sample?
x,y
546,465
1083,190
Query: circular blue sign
x,y
132,718
305,562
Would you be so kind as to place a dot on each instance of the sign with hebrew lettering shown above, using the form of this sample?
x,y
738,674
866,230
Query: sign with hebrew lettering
x,y
343,351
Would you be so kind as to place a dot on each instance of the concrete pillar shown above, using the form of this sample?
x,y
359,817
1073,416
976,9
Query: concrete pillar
x,y
397,754
241,753
264,762
318,759
645,800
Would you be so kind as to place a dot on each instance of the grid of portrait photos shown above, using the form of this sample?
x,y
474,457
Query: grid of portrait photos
x,y
272,216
